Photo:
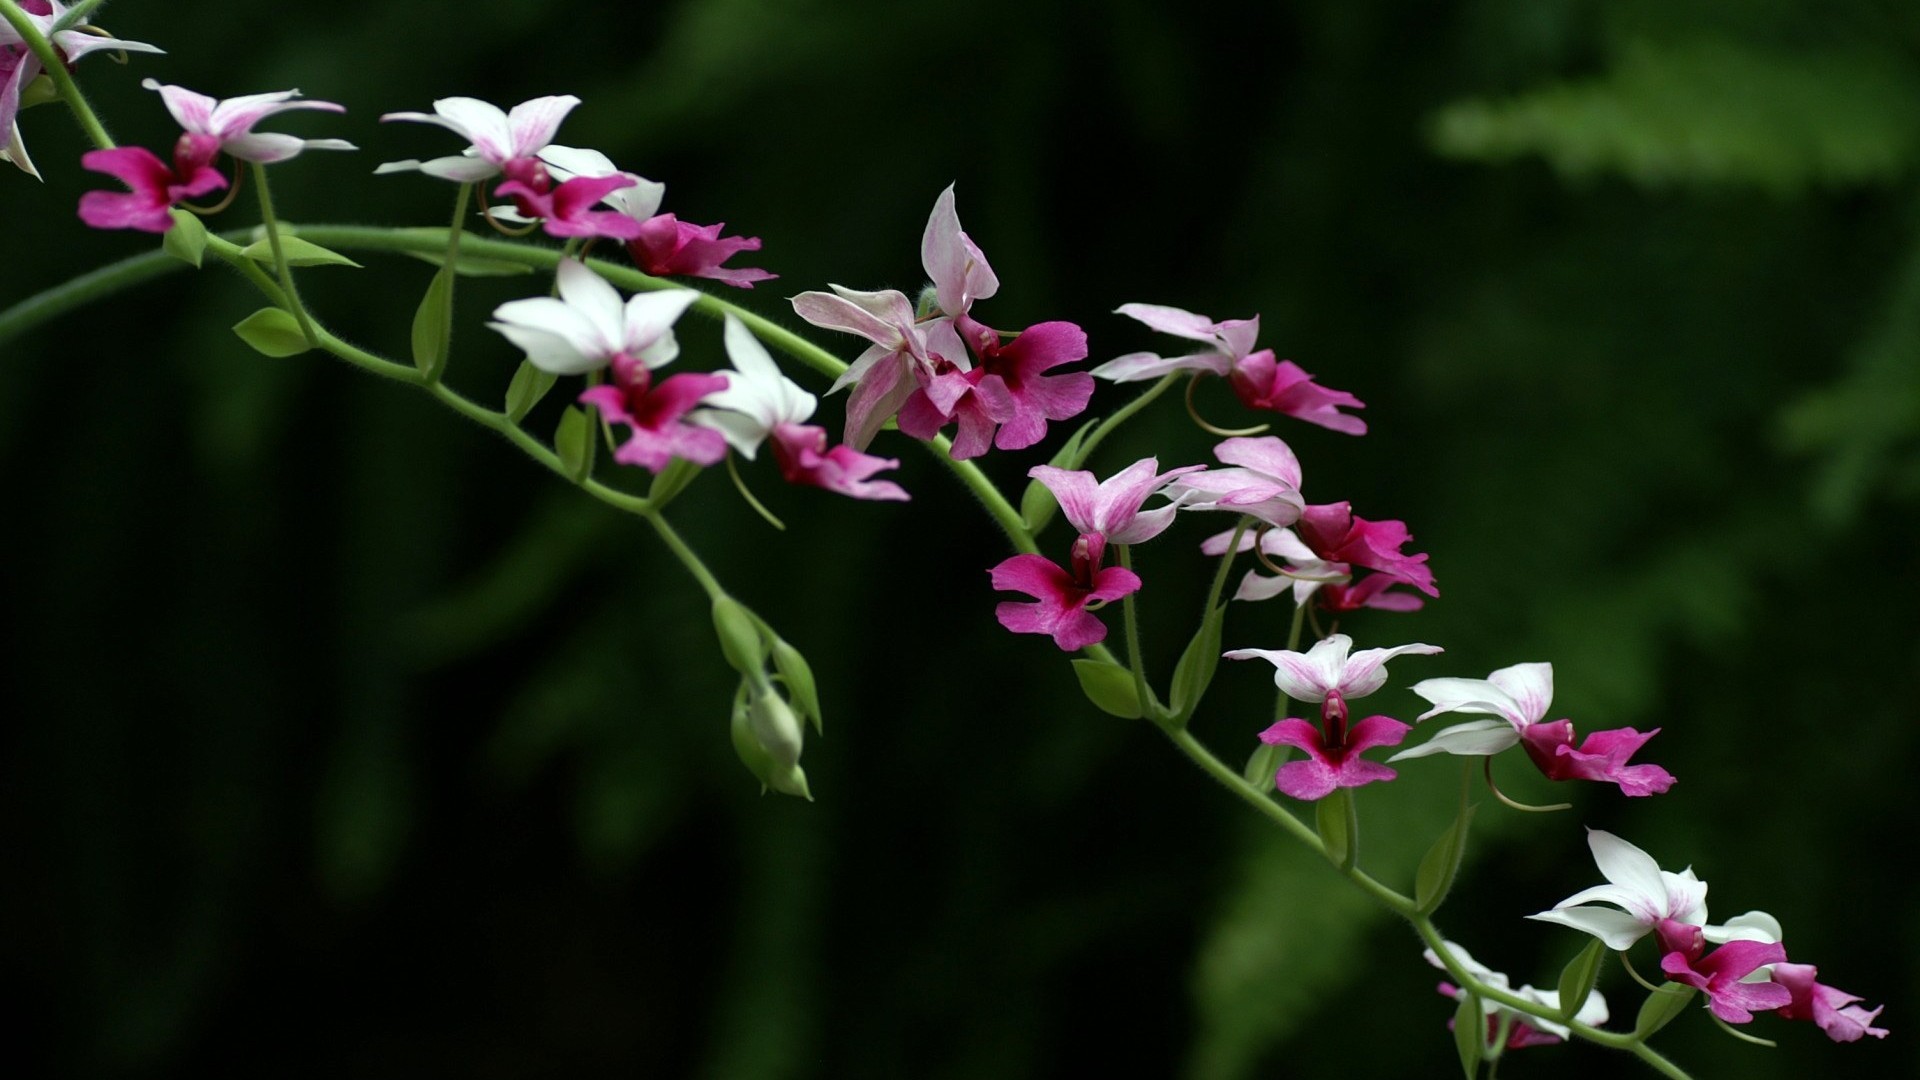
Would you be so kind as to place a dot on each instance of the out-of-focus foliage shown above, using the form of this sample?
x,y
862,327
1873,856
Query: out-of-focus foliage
x,y
346,740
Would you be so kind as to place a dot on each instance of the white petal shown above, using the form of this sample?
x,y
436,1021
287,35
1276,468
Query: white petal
x,y
1530,686
1616,929
1366,670
651,315
1467,696
1475,738
1628,867
1751,926
596,301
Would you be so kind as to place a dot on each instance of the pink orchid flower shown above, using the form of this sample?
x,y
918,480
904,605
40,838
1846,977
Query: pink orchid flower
x,y
1009,397
1520,696
566,209
1722,974
1257,379
1337,535
1064,595
663,245
1110,509
231,121
909,354
655,415
1333,751
497,137
759,403
1834,1010
18,65
155,186
1309,578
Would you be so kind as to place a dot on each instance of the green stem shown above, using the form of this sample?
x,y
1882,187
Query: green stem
x,y
996,505
438,362
1612,1039
280,268
1226,563
56,69
1148,702
686,556
1125,413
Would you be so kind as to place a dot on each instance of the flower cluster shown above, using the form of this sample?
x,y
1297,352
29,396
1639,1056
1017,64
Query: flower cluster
x,y
1746,973
941,366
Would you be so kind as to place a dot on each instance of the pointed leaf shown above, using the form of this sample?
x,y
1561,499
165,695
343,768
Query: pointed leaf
x,y
187,240
1660,1008
529,385
1110,687
798,675
475,265
1037,504
671,481
1194,673
1266,761
431,323
740,639
573,443
272,332
1331,815
1578,977
1470,1034
299,253
1441,863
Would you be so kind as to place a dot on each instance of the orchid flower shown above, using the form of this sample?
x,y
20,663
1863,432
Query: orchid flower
x,y
1832,1009
154,185
1520,696
761,403
497,137
1523,1029
1257,379
1110,508
1009,397
1327,671
1723,976
19,66
660,244
907,355
566,209
1264,482
588,327
1337,535
1064,595
231,121
1333,751
1645,895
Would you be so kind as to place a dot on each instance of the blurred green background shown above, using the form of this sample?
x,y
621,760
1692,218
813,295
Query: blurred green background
x,y
343,741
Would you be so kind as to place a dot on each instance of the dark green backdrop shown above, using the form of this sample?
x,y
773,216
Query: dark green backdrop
x,y
342,741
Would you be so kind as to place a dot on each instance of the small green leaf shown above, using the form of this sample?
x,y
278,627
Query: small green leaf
x,y
272,332
1194,673
1441,863
1037,503
529,385
299,253
1266,761
430,324
1578,977
798,674
474,265
187,240
1331,814
573,442
1110,687
740,639
1470,1034
671,481
1660,1008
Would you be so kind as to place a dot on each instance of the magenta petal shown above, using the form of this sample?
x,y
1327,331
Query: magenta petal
x,y
1308,780
1375,731
1293,732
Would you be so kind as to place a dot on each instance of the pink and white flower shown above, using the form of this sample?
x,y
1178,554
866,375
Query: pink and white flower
x,y
1724,976
1257,379
1064,596
588,328
909,354
231,121
1333,751
1523,1029
1645,896
1335,534
1009,396
566,209
19,66
1111,508
497,137
1520,697
760,403
1264,482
